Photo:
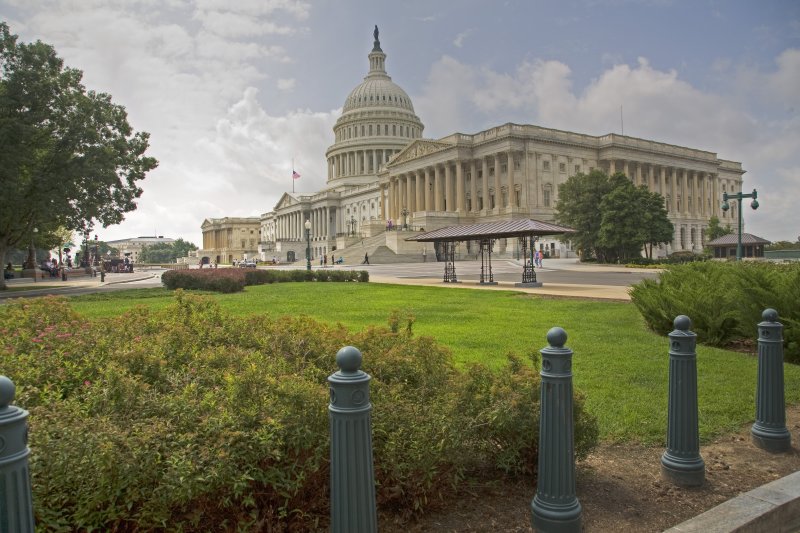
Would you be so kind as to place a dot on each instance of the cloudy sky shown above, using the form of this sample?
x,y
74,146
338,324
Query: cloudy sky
x,y
232,91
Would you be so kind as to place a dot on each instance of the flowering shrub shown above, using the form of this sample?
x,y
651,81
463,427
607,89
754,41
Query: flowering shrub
x,y
194,420
228,280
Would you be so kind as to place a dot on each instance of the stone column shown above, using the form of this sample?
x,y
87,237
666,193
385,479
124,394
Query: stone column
x,y
364,165
448,187
420,188
510,186
409,193
437,188
675,191
498,197
374,161
612,167
459,187
716,199
382,202
473,185
626,170
485,174
651,179
427,192
638,174
684,193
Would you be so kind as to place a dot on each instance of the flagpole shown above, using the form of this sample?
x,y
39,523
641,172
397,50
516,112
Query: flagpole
x,y
293,180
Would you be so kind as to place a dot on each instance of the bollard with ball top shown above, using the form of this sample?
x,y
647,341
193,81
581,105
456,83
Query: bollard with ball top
x,y
555,506
681,463
352,474
769,430
16,505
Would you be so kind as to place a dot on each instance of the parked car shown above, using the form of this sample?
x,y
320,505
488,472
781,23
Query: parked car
x,y
247,264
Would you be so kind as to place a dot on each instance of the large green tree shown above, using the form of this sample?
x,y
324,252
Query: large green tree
x,y
166,252
68,157
578,207
613,218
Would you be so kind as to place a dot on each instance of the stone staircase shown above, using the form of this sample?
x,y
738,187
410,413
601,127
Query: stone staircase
x,y
379,253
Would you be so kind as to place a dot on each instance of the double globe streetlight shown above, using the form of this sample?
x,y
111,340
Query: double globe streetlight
x,y
725,206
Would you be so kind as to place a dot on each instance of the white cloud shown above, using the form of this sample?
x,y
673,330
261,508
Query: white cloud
x,y
458,42
286,84
657,105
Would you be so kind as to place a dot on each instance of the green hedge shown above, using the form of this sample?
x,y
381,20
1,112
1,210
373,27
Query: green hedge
x,y
229,280
189,419
724,300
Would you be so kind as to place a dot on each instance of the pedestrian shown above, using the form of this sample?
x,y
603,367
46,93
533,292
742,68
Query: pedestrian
x,y
325,260
366,259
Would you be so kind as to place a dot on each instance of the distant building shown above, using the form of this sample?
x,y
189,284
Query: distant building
x,y
229,238
385,181
725,246
131,248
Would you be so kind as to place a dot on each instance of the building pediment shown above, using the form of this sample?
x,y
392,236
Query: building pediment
x,y
418,148
287,200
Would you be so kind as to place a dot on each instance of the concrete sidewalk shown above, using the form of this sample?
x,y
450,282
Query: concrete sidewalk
x,y
29,287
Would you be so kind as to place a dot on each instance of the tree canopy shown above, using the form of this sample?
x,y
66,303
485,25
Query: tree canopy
x,y
715,230
68,157
613,218
165,252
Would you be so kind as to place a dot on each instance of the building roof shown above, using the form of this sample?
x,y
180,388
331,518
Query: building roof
x,y
731,240
492,230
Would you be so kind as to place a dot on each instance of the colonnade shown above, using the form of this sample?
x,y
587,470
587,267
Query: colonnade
x,y
358,162
291,226
491,184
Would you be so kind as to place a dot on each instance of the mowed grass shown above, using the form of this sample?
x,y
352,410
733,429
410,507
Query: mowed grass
x,y
620,366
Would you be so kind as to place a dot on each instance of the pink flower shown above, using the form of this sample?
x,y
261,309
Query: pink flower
x,y
87,383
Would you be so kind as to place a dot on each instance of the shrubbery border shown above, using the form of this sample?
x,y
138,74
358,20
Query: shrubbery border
x,y
227,280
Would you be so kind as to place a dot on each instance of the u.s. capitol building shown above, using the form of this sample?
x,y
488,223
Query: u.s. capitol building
x,y
385,181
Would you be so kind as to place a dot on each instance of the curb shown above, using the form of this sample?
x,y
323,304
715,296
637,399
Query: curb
x,y
774,507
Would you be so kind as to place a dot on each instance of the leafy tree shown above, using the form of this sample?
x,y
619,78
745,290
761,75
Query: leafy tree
x,y
613,218
165,252
656,225
784,245
715,230
578,207
68,157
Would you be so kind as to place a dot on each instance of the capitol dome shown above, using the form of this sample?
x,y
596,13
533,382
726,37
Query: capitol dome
x,y
377,121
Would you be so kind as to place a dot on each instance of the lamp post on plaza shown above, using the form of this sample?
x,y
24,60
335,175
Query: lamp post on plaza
x,y
352,225
404,212
725,206
308,244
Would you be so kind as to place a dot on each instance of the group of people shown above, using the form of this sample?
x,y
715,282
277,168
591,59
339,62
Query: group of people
x,y
537,258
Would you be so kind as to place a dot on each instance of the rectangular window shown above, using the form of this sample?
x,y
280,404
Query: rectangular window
x,y
547,198
562,167
491,199
480,203
386,129
480,174
504,168
545,165
469,175
370,130
491,171
516,198
577,169
362,130
469,204
516,164
394,129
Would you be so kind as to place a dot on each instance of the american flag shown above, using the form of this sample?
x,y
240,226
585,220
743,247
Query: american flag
x,y
295,175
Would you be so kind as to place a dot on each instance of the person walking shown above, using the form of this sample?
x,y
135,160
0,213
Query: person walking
x,y
366,259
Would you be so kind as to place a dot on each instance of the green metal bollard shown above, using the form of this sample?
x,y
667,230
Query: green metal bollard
x,y
769,430
16,505
353,506
681,463
555,506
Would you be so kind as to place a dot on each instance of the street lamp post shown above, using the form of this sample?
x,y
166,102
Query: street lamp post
x,y
404,212
308,244
725,206
352,226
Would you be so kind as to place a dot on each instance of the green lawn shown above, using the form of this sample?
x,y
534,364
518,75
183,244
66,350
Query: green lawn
x,y
620,366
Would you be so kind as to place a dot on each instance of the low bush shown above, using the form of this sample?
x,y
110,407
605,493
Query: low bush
x,y
189,418
724,300
227,280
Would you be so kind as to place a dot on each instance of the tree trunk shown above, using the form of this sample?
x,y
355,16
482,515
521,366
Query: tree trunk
x,y
3,250
31,261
